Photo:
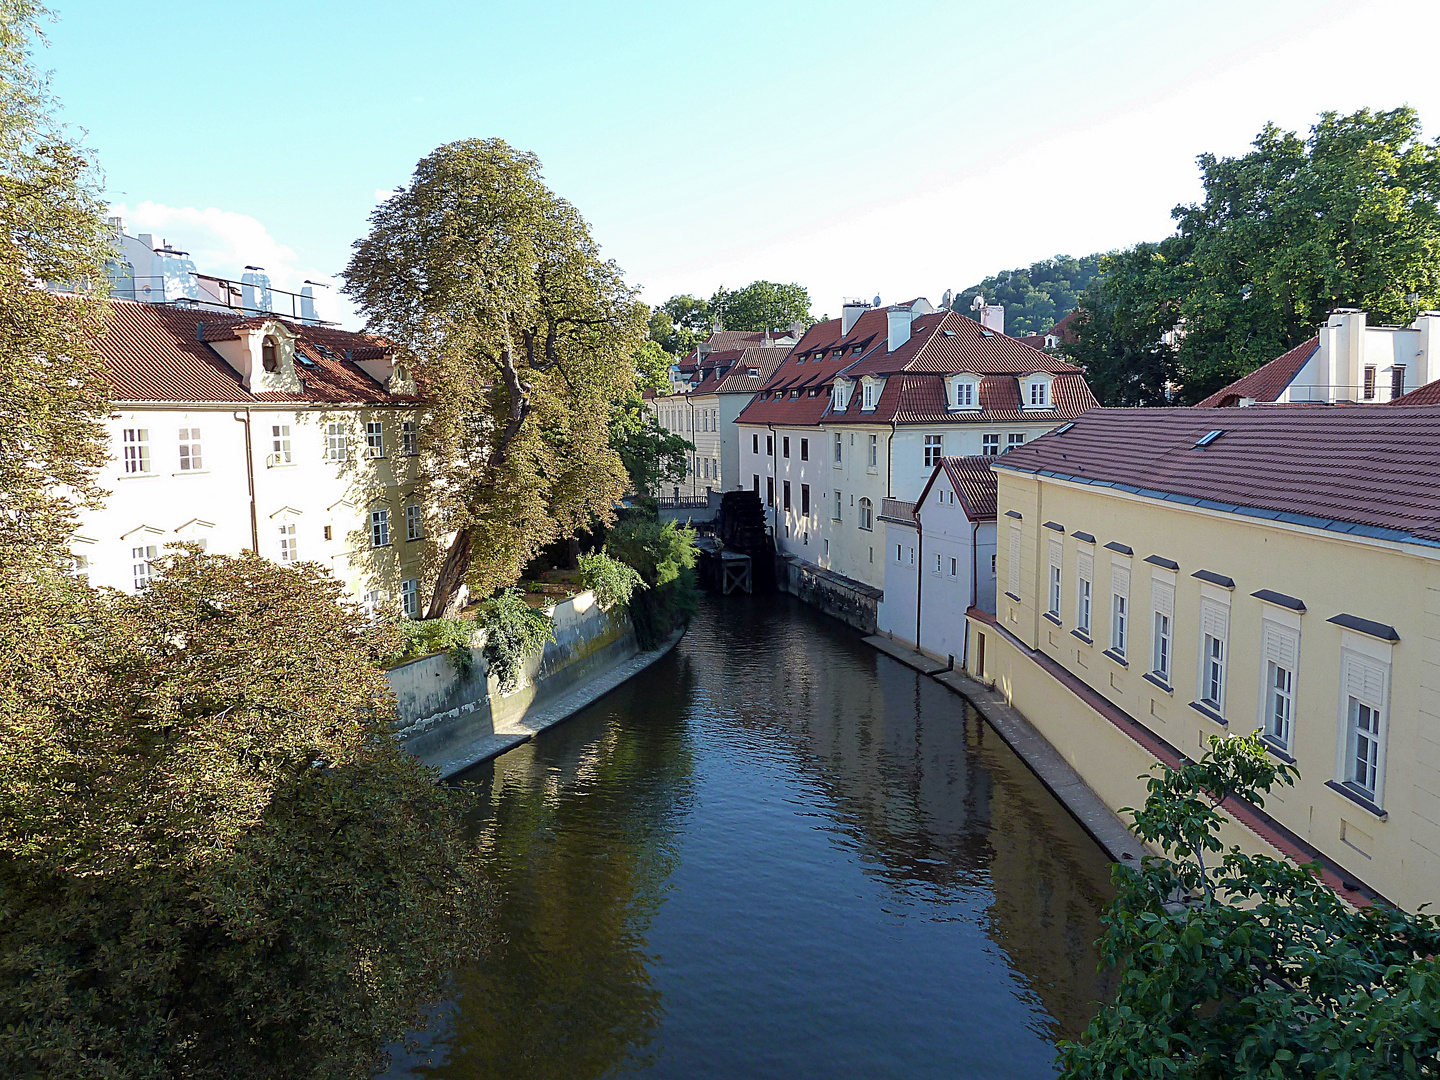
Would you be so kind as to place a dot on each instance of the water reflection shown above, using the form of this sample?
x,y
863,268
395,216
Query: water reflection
x,y
777,853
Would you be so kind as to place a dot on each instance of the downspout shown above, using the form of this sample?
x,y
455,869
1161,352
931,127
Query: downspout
x,y
919,573
250,481
773,486
889,460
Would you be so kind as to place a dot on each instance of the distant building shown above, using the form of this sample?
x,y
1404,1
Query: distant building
x,y
1347,362
1062,333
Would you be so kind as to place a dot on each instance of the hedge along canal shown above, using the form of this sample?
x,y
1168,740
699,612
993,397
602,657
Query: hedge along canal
x,y
774,853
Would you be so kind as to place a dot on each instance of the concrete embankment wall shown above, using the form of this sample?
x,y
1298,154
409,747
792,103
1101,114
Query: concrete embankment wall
x,y
850,601
445,712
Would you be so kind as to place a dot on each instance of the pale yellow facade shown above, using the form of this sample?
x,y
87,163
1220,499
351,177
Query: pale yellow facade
x,y
1347,690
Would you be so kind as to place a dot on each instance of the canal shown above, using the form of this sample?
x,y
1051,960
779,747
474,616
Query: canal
x,y
776,853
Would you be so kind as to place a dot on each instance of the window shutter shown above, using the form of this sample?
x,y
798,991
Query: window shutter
x,y
1214,619
1015,559
1281,646
1364,680
1056,552
1162,595
1085,564
1120,580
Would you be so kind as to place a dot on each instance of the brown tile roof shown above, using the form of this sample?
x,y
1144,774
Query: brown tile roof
x,y
159,352
1429,394
974,482
1267,382
1365,471
729,372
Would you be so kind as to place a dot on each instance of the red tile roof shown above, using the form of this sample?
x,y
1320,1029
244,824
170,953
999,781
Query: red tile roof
x,y
728,372
159,352
1365,471
1429,394
1265,383
975,483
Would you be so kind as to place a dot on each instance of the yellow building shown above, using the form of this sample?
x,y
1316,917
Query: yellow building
x,y
1167,575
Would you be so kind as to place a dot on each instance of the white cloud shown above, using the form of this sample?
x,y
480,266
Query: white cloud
x,y
383,194
223,243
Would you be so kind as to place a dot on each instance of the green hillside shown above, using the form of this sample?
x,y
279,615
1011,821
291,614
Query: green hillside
x,y
1037,296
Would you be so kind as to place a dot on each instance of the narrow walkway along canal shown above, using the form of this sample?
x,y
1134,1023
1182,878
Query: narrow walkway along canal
x,y
776,853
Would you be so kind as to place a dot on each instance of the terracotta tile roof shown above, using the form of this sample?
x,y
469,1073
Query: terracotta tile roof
x,y
159,352
1267,382
1365,471
1429,394
729,372
974,482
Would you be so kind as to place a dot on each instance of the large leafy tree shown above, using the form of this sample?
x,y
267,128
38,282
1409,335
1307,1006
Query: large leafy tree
x,y
680,322
761,305
1239,967
1037,296
652,455
523,338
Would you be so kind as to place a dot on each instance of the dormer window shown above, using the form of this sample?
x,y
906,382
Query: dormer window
x,y
868,392
270,353
841,394
965,393
1037,392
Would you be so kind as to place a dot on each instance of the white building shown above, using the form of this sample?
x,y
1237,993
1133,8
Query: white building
x,y
940,558
864,407
296,441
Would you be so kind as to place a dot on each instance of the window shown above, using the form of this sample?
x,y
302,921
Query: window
x,y
329,533
190,460
912,556
937,564
787,495
755,483
1363,691
379,528
867,396
769,445
137,450
1084,590
1119,608
409,438
1369,389
1055,554
964,395
1214,632
372,601
839,446
142,559
755,443
1014,561
1162,648
899,554
288,552
1016,438
280,444
270,354
1039,394
934,450
1397,381
874,451
805,500
804,449
836,515
374,439
769,491
990,445
954,566
1280,647
867,517
414,522
410,598
337,442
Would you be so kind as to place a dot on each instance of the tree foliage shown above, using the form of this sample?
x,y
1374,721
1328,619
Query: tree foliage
x,y
680,323
215,861
1237,966
761,305
664,555
1037,296
652,455
514,632
612,581
524,339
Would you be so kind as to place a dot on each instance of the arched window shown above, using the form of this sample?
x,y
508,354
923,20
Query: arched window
x,y
270,353
867,516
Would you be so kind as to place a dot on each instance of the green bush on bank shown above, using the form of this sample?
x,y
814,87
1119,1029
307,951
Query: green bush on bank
x,y
664,556
514,632
425,636
612,581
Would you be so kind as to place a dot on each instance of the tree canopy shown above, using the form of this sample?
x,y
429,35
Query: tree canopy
x,y
1240,967
680,322
761,305
1037,296
524,340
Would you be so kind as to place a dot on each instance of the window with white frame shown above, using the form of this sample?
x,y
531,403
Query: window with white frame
x,y
1279,655
414,522
1014,439
1056,551
990,445
1013,564
372,601
410,597
867,515
839,448
954,566
142,561
836,515
288,551
1214,648
137,450
1162,636
409,438
379,528
965,394
1084,590
374,439
1119,608
337,442
867,395
899,554
1364,687
190,459
874,457
1039,394
934,450
280,444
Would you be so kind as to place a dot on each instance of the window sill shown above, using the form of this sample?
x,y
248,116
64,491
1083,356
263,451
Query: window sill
x,y
1053,618
137,476
873,470
1276,750
1209,713
838,465
280,464
1012,596
1119,658
413,539
1086,638
377,547
1154,679
1359,799
192,472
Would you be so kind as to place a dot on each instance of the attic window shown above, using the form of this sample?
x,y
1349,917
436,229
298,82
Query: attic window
x,y
1208,438
855,351
1063,428
754,373
812,392
987,333
270,353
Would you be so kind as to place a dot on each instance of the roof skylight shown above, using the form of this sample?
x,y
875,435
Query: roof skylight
x,y
1208,438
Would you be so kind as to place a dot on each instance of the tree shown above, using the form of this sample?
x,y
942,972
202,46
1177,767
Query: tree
x,y
1124,331
1037,296
652,455
215,860
52,392
679,323
1237,966
761,305
523,338
664,555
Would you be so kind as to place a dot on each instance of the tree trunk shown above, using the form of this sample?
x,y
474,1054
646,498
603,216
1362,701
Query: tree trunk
x,y
445,600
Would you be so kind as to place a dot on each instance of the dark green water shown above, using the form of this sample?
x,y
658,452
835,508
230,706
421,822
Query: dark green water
x,y
776,853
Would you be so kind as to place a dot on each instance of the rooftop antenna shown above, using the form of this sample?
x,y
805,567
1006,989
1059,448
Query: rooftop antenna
x,y
877,300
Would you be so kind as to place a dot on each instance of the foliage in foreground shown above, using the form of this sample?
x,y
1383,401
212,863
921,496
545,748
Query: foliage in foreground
x,y
612,581
664,555
1262,971
514,632
215,861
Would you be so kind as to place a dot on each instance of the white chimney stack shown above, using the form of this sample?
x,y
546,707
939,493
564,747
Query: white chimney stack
x,y
992,317
898,318
850,314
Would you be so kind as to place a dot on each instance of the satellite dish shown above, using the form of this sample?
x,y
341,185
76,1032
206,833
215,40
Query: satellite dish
x,y
877,300
978,303
945,300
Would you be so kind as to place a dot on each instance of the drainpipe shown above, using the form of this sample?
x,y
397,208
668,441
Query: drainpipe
x,y
889,460
919,574
975,563
774,485
250,480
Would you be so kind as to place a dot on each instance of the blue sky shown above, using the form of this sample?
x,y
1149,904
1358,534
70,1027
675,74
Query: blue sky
x,y
854,148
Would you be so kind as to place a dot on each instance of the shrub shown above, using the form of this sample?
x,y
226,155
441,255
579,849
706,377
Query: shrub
x,y
425,636
612,581
514,632
664,556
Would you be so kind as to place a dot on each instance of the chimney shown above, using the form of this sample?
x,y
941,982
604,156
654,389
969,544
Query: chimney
x,y
255,290
992,317
147,239
899,318
307,305
850,314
